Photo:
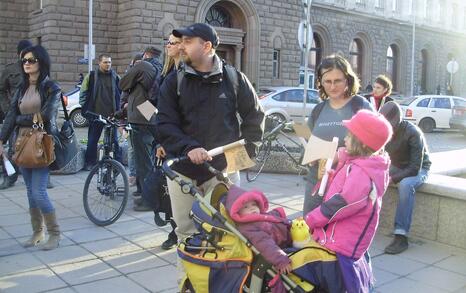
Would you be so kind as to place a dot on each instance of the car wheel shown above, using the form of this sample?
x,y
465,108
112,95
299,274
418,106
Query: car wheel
x,y
78,119
427,125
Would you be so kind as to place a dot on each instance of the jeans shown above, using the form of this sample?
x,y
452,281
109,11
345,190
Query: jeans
x,y
131,158
142,139
93,136
36,184
406,195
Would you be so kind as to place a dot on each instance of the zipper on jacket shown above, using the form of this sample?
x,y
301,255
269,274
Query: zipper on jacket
x,y
333,232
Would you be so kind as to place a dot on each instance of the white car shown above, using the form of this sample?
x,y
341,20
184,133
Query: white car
x,y
74,108
430,111
286,103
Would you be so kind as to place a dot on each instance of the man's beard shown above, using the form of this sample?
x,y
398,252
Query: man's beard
x,y
186,59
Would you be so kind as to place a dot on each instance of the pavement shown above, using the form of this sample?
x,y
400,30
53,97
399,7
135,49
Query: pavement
x,y
126,256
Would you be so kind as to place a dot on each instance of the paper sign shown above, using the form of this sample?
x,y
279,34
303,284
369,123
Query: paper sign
x,y
238,159
317,148
147,110
302,130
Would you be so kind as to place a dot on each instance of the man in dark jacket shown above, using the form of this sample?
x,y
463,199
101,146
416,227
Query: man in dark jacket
x,y
137,82
409,168
10,80
202,114
99,94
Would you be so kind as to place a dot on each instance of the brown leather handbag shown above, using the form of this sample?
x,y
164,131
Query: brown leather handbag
x,y
35,148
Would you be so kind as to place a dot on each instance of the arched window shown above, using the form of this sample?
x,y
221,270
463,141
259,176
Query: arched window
x,y
315,56
218,16
392,64
356,55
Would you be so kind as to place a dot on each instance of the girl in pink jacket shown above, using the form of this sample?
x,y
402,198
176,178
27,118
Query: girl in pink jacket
x,y
347,219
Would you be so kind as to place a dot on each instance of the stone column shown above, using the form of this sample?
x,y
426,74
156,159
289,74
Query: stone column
x,y
238,49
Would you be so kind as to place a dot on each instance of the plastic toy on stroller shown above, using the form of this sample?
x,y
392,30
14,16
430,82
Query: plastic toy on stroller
x,y
219,258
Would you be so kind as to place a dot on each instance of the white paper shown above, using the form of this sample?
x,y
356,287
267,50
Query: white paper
x,y
10,170
317,148
147,110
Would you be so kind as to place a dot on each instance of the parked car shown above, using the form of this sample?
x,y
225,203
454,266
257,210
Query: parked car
x,y
458,116
286,103
74,108
430,111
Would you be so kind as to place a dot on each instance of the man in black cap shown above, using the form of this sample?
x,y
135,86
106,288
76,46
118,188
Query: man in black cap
x,y
198,108
10,80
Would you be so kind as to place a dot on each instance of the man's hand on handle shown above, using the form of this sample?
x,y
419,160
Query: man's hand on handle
x,y
160,153
198,156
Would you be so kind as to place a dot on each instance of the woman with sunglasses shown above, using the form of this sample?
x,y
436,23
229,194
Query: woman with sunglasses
x,y
37,94
171,62
337,84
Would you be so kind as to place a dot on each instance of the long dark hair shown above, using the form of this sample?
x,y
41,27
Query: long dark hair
x,y
340,63
40,54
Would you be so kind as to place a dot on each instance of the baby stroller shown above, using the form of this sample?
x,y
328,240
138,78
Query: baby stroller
x,y
219,258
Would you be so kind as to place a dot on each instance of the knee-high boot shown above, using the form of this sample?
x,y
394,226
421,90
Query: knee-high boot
x,y
37,223
54,231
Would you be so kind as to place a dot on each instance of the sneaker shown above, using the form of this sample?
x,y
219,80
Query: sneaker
x,y
142,208
169,243
138,201
398,245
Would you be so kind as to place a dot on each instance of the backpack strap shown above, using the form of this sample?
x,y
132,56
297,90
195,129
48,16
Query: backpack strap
x,y
230,72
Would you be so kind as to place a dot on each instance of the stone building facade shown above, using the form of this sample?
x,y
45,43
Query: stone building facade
x,y
258,36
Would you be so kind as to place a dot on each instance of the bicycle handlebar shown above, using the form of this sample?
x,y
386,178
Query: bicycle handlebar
x,y
106,120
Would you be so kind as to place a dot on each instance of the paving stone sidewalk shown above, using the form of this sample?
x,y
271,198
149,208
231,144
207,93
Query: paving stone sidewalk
x,y
126,256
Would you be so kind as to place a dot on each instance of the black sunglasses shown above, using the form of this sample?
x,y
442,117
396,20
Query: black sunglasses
x,y
171,43
29,60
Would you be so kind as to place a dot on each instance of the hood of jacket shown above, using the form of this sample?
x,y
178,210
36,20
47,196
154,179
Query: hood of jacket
x,y
237,197
371,166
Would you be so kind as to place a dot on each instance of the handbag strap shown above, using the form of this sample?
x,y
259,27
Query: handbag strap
x,y
37,120
65,112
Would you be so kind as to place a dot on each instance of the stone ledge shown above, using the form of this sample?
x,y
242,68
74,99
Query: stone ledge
x,y
449,163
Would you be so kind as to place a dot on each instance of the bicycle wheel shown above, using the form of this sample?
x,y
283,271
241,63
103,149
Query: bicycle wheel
x,y
261,158
106,192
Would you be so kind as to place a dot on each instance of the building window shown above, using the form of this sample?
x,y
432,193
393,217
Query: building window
x,y
218,16
395,5
392,64
379,4
454,16
315,56
276,64
355,53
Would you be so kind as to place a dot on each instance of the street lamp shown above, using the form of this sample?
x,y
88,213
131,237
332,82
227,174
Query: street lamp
x,y
90,51
413,52
306,48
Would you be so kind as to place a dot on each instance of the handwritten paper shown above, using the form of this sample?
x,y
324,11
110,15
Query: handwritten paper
x,y
147,110
317,148
238,159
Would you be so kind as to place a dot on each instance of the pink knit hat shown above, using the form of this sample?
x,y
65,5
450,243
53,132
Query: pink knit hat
x,y
371,128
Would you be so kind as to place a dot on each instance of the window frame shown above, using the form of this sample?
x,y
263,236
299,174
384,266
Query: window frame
x,y
276,60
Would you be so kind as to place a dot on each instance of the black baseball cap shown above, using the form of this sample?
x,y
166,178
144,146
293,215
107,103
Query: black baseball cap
x,y
201,30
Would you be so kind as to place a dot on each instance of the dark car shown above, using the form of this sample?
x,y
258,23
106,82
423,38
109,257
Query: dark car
x,y
458,116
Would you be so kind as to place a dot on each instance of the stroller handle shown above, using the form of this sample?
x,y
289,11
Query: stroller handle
x,y
172,175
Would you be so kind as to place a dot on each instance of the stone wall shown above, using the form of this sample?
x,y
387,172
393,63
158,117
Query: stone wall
x,y
124,27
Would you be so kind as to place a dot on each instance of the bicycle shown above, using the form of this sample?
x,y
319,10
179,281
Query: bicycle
x,y
106,188
271,141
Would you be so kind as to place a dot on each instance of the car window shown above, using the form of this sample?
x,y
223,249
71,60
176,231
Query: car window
x,y
459,102
294,96
281,97
423,103
313,97
440,103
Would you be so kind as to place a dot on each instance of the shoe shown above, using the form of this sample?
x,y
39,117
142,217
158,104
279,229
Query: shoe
x,y
37,223
138,201
54,232
50,185
398,245
9,181
137,194
132,181
142,208
158,220
169,243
